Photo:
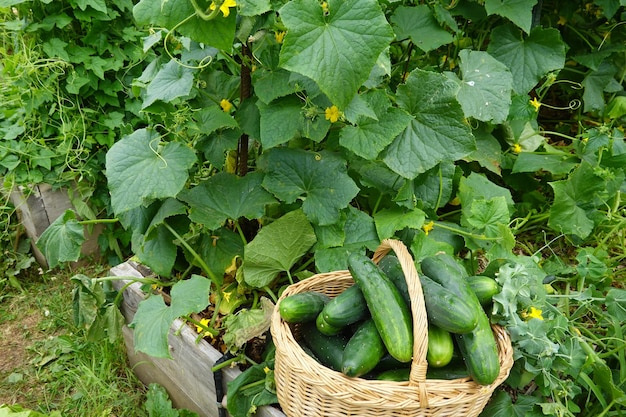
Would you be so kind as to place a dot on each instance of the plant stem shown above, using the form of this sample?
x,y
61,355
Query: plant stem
x,y
226,363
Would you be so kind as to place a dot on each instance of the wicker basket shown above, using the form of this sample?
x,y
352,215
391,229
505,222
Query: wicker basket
x,y
306,388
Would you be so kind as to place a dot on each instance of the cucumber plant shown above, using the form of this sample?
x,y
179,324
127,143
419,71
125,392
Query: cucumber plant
x,y
468,127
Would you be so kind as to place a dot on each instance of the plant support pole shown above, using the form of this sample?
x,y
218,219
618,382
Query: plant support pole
x,y
244,93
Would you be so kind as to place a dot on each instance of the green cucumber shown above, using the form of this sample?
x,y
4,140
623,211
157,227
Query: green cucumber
x,y
447,310
388,362
440,347
326,328
454,370
302,307
484,287
328,350
390,265
346,308
398,375
478,347
363,351
386,305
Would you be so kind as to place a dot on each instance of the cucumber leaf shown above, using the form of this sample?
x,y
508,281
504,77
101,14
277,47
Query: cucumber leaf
x,y
226,196
320,179
62,240
276,248
344,42
438,130
140,170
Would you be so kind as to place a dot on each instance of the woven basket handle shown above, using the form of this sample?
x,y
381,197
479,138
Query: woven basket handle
x,y
419,366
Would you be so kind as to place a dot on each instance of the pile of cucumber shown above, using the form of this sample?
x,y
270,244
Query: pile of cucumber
x,y
367,330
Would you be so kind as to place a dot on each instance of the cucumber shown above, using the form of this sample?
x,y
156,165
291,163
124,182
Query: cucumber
x,y
363,351
346,308
454,370
302,307
388,362
480,352
326,328
398,375
447,310
440,347
328,350
390,265
484,287
478,347
386,305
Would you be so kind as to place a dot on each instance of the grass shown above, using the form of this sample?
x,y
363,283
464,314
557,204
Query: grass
x,y
47,365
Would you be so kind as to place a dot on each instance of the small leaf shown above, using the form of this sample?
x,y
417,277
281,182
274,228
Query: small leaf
x,y
152,324
276,248
158,403
519,12
371,135
62,240
616,304
190,295
389,221
486,87
247,324
420,24
172,81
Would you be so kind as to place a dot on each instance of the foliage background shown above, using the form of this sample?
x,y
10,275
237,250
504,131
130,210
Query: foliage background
x,y
245,146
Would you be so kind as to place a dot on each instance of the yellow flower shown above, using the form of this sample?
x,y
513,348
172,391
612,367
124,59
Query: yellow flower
x,y
225,7
562,21
332,113
279,36
325,8
199,329
428,227
226,105
517,148
534,313
266,370
535,103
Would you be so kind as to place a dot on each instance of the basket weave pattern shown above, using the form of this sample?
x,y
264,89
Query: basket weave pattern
x,y
305,388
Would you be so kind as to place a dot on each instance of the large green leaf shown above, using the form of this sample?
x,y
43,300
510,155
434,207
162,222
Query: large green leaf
x,y
389,221
139,169
529,58
154,318
337,50
357,232
225,196
62,240
276,248
486,86
576,199
319,179
218,33
172,81
519,12
280,121
438,131
420,24
371,135
190,295
152,323
596,83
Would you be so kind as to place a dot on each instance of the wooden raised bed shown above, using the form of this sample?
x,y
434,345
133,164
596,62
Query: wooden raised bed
x,y
187,377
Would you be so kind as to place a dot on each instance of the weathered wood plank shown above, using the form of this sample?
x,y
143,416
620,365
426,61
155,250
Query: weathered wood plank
x,y
187,377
